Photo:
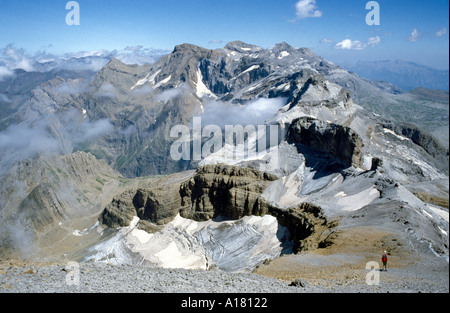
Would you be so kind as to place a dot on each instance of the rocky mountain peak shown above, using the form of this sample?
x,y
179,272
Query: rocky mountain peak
x,y
189,48
241,47
283,46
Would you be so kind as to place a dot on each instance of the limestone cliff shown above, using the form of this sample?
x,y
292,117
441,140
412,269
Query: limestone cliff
x,y
339,142
215,190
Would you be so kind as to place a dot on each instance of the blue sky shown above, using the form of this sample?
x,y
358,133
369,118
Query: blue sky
x,y
410,30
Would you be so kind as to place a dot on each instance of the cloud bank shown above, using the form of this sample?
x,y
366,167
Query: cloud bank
x,y
255,112
172,93
107,91
48,136
5,73
12,58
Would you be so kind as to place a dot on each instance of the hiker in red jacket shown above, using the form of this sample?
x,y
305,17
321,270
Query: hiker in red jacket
x,y
384,259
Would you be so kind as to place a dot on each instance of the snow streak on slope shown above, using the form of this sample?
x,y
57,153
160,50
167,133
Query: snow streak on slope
x,y
202,90
234,245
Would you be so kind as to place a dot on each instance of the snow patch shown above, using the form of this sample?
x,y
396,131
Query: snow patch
x,y
427,214
173,257
148,79
183,243
84,232
441,213
251,68
443,231
141,235
359,200
164,81
78,233
283,54
201,89
388,131
367,162
284,87
340,194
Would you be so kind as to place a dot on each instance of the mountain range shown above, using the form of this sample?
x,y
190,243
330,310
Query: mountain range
x,y
406,75
87,173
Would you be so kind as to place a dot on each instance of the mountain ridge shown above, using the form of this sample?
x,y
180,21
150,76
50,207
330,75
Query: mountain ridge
x,y
407,75
333,153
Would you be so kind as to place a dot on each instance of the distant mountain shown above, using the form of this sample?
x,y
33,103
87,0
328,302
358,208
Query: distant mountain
x,y
431,94
123,113
406,75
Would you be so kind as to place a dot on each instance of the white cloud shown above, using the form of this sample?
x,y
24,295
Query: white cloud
x,y
5,73
73,87
326,41
441,32
12,58
88,63
23,141
16,59
107,90
373,41
85,54
172,93
306,9
254,112
139,55
45,136
134,48
348,44
415,35
142,90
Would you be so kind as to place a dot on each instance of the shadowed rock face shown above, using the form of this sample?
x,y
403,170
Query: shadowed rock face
x,y
424,140
339,142
221,190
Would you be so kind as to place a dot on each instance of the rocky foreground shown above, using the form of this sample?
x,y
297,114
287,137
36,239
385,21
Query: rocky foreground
x,y
21,277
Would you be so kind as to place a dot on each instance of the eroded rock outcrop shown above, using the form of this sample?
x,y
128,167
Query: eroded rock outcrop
x,y
339,142
221,190
155,206
215,190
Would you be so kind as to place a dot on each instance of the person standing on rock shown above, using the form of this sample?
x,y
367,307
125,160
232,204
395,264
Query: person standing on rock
x,y
384,259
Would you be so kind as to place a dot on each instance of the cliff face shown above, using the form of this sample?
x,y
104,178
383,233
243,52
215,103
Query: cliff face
x,y
154,205
223,190
214,191
339,142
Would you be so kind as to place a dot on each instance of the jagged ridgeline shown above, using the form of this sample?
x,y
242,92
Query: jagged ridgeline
x,y
124,113
346,151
